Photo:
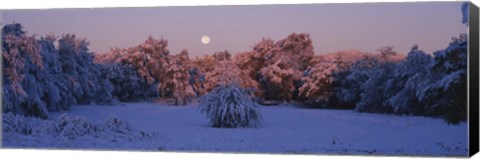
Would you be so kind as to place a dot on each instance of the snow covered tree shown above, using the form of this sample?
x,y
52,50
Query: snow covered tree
x,y
52,78
127,84
83,74
196,81
212,67
373,94
169,74
447,96
278,80
222,55
299,48
126,70
348,82
205,64
282,65
147,58
387,51
17,51
226,71
317,82
277,66
228,105
251,62
338,91
175,81
45,78
22,62
409,75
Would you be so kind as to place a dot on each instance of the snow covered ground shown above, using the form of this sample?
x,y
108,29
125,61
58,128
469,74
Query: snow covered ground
x,y
285,129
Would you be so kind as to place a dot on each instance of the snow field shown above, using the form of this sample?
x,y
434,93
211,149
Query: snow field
x,y
284,129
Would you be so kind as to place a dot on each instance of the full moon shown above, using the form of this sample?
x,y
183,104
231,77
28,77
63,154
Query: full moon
x,y
205,39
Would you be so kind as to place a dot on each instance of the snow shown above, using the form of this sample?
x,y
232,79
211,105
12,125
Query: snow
x,y
284,129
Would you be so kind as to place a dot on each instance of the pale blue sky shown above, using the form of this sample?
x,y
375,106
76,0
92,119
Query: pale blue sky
x,y
333,27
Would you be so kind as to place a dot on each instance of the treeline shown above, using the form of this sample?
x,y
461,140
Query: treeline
x,y
420,84
39,76
50,74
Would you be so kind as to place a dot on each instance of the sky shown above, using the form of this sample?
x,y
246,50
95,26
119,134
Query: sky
x,y
332,27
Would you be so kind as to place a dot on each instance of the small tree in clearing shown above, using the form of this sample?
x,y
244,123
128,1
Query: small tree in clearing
x,y
228,105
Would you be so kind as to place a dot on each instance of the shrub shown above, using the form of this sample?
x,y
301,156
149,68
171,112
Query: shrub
x,y
229,106
75,126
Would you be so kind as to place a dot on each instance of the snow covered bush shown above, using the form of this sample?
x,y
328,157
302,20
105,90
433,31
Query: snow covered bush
x,y
67,132
229,106
72,127
115,125
21,125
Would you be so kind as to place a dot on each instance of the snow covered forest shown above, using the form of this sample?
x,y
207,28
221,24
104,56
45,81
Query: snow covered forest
x,y
47,75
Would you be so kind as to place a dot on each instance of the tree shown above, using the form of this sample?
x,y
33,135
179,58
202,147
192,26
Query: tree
x,y
169,74
222,55
51,76
17,51
21,55
127,84
277,80
348,82
282,65
40,77
446,96
82,73
225,71
387,51
373,90
175,80
228,105
317,83
409,76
